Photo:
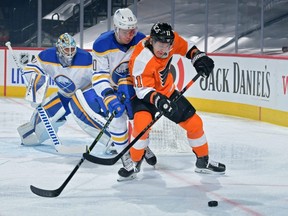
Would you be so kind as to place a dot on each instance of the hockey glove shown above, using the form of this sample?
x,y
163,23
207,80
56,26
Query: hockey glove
x,y
163,104
126,92
113,104
202,63
125,87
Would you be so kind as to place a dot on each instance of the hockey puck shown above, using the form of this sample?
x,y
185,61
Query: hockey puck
x,y
213,203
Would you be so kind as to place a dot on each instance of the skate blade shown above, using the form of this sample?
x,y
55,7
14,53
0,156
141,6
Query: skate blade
x,y
129,178
208,171
151,162
111,152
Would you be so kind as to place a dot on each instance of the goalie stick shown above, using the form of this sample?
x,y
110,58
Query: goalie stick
x,y
45,119
57,192
111,161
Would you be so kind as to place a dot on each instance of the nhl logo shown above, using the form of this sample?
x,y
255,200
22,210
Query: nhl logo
x,y
24,58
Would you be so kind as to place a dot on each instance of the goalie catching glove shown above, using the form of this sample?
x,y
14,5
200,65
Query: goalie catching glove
x,y
163,104
202,63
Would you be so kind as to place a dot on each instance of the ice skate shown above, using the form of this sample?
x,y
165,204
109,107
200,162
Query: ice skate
x,y
127,172
150,157
110,148
138,164
203,165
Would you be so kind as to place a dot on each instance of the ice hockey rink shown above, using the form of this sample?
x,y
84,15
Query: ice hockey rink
x,y
255,183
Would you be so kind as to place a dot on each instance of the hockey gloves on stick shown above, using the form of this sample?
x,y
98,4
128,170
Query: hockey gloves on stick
x,y
202,63
125,87
112,103
125,93
163,104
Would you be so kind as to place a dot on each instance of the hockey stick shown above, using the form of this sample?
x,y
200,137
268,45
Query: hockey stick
x,y
111,161
8,44
56,192
45,119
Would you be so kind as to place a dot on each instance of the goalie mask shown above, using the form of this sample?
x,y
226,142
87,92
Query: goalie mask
x,y
66,49
125,20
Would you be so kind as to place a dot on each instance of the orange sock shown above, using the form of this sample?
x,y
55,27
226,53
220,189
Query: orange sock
x,y
136,154
141,120
194,128
201,151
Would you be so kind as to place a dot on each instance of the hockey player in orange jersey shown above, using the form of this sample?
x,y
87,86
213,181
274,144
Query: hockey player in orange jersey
x,y
149,66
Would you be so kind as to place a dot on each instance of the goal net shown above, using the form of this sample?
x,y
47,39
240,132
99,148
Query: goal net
x,y
168,137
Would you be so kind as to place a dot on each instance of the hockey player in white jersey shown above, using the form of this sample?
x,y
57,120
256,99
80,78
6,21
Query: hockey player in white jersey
x,y
111,81
71,69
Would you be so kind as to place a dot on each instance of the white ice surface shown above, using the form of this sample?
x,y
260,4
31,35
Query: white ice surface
x,y
255,183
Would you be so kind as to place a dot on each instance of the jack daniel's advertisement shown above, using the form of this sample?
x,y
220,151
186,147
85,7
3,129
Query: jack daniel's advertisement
x,y
245,81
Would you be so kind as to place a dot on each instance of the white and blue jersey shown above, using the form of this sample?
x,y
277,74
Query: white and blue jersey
x,y
111,60
68,79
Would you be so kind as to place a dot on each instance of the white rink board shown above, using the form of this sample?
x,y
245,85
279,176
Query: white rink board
x,y
2,66
254,80
13,74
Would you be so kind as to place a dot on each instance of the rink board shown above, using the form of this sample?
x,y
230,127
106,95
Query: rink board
x,y
248,86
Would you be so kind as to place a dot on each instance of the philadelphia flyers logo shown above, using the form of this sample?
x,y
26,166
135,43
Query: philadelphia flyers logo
x,y
164,73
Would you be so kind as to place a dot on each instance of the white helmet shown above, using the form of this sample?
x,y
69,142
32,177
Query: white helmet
x,y
66,49
124,19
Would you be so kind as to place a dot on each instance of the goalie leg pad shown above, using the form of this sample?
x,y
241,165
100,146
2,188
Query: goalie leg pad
x,y
56,107
27,134
90,120
92,131
81,109
34,132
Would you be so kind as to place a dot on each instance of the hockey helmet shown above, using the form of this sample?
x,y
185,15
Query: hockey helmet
x,y
124,19
66,49
162,32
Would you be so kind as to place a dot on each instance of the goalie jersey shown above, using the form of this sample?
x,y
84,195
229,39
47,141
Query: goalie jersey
x,y
68,79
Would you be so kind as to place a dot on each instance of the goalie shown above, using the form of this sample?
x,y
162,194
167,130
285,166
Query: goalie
x,y
71,69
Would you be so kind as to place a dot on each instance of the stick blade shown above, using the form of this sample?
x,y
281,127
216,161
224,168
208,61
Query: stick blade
x,y
45,193
102,161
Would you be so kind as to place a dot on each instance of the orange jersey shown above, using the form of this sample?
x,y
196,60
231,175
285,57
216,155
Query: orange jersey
x,y
151,73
